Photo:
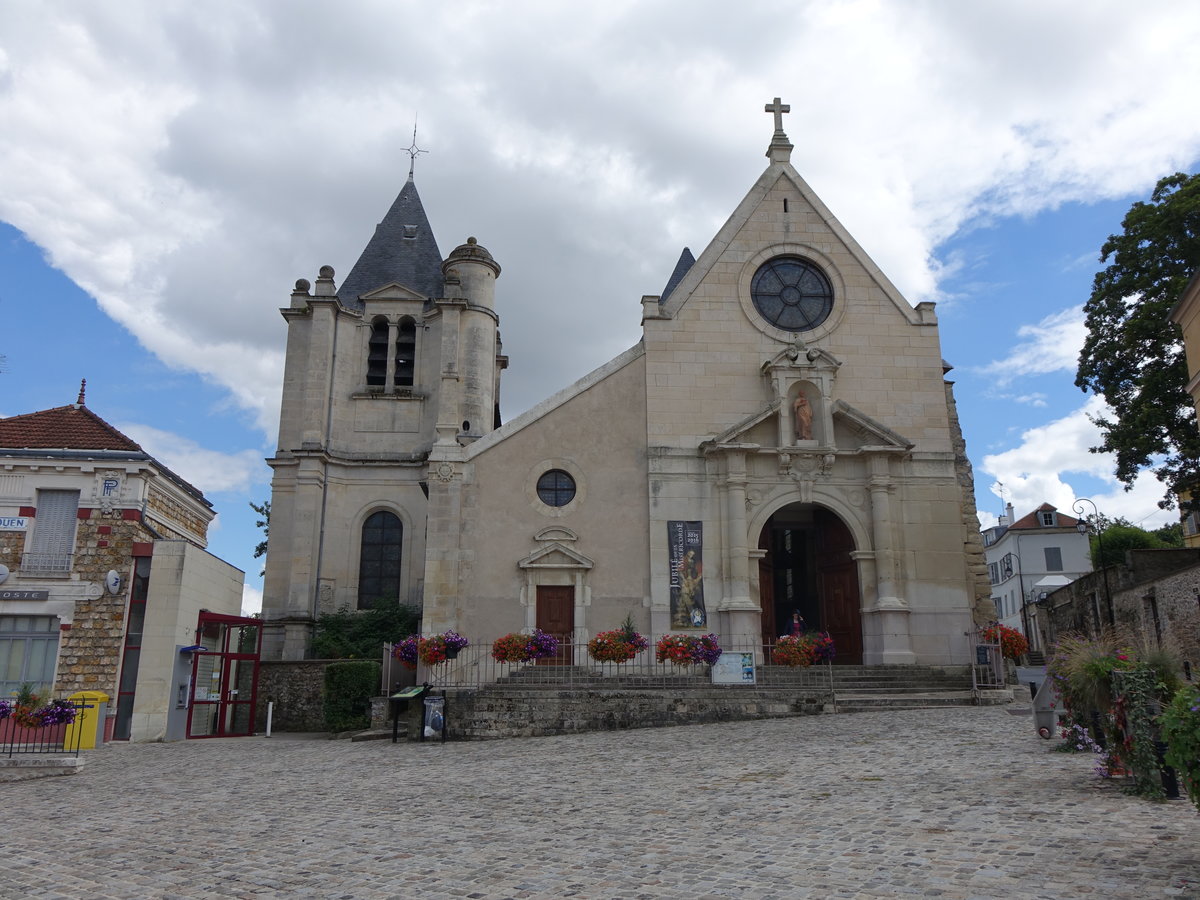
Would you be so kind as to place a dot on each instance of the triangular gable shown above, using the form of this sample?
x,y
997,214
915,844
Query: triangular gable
x,y
555,556
873,433
393,291
732,434
511,427
729,231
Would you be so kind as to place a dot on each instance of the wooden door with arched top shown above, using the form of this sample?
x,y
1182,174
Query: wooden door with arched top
x,y
838,590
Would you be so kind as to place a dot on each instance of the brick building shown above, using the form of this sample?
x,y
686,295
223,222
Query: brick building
x,y
103,572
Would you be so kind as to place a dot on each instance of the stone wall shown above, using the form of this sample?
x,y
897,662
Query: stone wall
x,y
171,515
297,688
90,652
983,610
490,714
1162,581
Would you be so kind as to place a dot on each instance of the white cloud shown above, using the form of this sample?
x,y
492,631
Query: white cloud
x,y
251,600
1052,345
209,470
1039,471
185,163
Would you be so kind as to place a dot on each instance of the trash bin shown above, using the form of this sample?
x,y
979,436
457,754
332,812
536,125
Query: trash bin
x,y
88,728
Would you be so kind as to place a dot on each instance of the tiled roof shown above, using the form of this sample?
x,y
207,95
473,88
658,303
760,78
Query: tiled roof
x,y
402,250
1032,520
63,428
76,428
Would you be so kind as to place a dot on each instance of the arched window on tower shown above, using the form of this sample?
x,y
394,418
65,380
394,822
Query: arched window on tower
x,y
377,353
406,352
379,560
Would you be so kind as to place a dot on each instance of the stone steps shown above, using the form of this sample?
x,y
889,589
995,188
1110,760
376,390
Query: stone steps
x,y
582,698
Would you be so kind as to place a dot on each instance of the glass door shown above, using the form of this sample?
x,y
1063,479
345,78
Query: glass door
x,y
224,677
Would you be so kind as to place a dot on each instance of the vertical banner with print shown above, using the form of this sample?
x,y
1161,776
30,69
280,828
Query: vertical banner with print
x,y
685,554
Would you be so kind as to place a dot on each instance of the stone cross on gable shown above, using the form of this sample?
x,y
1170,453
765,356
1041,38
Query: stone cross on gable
x,y
778,108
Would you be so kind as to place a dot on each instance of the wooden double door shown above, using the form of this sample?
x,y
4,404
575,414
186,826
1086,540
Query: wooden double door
x,y
556,616
808,568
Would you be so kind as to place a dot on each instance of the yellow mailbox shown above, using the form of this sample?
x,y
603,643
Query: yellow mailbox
x,y
83,732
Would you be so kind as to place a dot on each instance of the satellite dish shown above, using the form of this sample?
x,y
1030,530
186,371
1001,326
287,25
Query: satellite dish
x,y
3,573
112,581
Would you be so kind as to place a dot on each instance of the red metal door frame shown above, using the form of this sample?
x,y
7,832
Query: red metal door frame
x,y
227,657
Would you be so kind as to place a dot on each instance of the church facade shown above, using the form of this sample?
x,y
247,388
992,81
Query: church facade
x,y
782,441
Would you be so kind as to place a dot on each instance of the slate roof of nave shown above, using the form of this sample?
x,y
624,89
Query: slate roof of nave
x,y
392,256
77,428
686,261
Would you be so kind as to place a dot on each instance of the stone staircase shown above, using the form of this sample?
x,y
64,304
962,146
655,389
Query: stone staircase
x,y
546,700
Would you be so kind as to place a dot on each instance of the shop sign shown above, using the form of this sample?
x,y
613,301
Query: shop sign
x,y
14,523
24,595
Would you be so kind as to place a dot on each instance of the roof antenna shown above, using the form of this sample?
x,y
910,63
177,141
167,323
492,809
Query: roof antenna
x,y
82,390
412,150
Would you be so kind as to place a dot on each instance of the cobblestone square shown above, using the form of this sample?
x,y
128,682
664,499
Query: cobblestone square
x,y
948,803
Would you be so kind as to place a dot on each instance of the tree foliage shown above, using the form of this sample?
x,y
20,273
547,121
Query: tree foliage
x,y
350,634
1133,355
264,510
1118,539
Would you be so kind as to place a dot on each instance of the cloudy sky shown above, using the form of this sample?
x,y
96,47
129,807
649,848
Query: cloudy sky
x,y
169,169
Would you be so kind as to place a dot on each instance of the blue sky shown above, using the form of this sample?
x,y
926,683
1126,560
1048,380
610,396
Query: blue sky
x,y
168,171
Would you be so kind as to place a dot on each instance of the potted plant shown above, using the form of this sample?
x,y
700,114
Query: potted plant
x,y
1013,644
619,646
687,649
517,647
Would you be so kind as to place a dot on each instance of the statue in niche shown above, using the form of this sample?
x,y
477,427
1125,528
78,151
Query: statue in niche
x,y
804,418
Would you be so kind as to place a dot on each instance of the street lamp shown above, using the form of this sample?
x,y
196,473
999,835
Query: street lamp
x,y
1083,527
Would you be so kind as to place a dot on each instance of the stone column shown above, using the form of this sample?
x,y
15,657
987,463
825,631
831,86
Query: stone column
x,y
887,627
389,378
741,612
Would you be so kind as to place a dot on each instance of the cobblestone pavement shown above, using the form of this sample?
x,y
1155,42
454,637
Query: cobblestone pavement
x,y
949,803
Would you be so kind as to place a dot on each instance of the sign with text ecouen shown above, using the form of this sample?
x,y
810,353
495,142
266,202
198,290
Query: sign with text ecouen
x,y
14,523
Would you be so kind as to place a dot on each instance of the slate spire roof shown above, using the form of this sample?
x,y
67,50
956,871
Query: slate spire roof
x,y
402,250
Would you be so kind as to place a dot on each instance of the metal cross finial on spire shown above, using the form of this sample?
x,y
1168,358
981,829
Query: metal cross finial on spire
x,y
412,150
779,108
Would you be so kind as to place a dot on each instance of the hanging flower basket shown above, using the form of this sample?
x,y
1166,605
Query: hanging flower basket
x,y
687,649
406,651
618,646
440,647
803,650
517,647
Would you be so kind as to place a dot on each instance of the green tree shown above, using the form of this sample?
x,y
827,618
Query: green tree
x,y
1171,535
1133,355
1117,539
260,549
351,634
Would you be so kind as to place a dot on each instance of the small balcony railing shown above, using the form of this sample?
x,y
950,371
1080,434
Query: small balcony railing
x,y
46,563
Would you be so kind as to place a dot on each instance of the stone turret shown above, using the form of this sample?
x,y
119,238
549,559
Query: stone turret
x,y
475,271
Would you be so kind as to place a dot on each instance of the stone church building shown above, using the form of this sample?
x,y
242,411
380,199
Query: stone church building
x,y
780,440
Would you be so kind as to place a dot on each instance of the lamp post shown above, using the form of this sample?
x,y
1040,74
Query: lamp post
x,y
1083,527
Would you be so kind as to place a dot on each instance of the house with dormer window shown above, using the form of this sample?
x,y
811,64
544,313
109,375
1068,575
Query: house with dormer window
x,y
1028,558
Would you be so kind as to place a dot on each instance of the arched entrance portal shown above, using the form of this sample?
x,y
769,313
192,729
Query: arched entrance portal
x,y
808,567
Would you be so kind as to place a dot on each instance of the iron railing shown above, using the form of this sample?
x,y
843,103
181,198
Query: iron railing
x,y
62,739
574,668
987,669
46,563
